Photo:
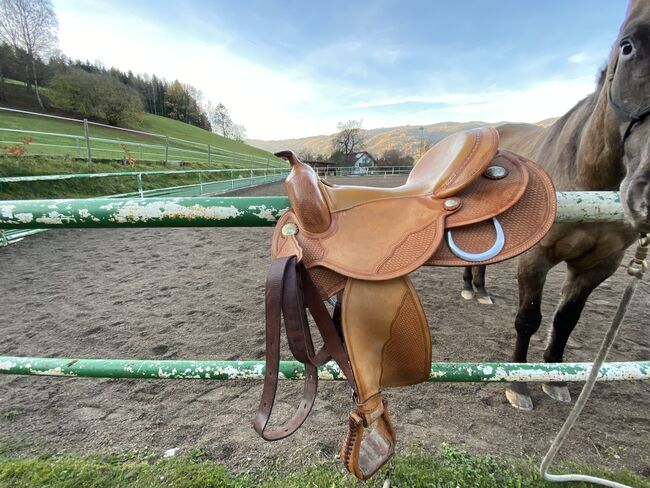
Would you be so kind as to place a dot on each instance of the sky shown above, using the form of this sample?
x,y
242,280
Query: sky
x,y
296,68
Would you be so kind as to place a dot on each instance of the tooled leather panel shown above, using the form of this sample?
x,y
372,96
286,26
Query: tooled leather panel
x,y
368,312
328,282
524,224
406,358
308,251
381,240
280,244
411,248
486,198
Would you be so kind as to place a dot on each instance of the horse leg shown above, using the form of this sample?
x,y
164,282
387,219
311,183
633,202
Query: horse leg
x,y
479,282
578,285
468,289
531,275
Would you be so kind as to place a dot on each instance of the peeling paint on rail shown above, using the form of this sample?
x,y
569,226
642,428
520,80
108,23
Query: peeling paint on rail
x,y
227,211
292,370
150,212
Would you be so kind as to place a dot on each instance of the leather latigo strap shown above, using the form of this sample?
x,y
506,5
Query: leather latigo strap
x,y
288,288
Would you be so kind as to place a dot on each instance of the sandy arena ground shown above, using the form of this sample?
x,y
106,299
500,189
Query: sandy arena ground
x,y
198,294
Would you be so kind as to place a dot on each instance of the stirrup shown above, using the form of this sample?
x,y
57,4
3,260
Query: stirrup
x,y
481,256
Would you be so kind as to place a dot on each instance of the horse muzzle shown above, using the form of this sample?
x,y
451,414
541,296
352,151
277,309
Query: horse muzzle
x,y
636,202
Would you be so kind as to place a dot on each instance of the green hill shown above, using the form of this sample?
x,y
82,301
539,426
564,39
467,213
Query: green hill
x,y
169,140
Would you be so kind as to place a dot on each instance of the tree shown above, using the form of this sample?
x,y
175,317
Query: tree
x,y
182,103
238,132
394,157
220,119
349,138
30,25
95,96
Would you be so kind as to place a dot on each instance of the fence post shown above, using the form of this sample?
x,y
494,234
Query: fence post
x,y
209,154
140,185
232,179
87,137
166,149
201,181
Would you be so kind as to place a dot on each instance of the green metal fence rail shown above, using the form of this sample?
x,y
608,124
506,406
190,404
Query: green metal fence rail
x,y
293,370
227,211
238,178
246,179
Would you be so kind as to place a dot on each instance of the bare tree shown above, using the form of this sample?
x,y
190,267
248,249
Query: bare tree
x,y
30,25
239,132
349,138
220,119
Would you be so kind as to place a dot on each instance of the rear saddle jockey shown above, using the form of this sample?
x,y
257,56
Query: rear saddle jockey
x,y
464,203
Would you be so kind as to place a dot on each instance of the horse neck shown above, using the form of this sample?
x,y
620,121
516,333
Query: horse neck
x,y
599,148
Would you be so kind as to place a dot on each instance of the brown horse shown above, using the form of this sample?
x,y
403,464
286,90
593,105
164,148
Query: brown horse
x,y
603,143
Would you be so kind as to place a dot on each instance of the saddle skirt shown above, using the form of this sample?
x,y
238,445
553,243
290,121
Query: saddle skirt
x,y
465,203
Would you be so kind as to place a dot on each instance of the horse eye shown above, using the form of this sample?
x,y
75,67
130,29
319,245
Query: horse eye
x,y
627,48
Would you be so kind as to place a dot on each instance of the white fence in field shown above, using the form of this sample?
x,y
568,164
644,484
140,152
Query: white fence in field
x,y
128,143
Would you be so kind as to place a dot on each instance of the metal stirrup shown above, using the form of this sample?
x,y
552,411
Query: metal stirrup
x,y
481,256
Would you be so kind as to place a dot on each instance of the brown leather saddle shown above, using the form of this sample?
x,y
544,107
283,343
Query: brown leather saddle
x,y
464,203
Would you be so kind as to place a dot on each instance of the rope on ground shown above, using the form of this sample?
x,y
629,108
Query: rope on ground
x,y
635,269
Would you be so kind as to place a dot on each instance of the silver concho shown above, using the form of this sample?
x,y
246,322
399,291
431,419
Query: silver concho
x,y
289,229
452,203
495,172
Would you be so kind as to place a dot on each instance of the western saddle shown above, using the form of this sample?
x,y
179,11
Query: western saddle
x,y
464,203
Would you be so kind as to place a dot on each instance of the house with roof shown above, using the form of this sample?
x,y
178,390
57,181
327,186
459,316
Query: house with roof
x,y
362,161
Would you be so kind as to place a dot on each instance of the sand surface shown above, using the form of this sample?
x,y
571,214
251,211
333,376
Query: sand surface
x,y
198,294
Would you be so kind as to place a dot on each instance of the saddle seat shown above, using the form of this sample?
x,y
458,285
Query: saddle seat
x,y
444,170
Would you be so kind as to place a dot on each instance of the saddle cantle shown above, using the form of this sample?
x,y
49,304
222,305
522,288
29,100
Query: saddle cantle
x,y
464,203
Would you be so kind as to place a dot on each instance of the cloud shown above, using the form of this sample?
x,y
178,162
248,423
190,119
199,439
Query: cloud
x,y
276,102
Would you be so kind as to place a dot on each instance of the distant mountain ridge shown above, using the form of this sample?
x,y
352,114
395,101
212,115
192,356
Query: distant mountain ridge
x,y
407,139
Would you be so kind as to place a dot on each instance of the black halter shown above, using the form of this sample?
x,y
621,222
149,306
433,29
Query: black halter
x,y
633,117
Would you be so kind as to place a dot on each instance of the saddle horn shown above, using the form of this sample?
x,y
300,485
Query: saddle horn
x,y
302,186
289,156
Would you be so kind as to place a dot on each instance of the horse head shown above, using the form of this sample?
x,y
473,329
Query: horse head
x,y
629,94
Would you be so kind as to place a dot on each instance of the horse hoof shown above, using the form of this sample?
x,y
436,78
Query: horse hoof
x,y
518,400
485,300
557,392
467,294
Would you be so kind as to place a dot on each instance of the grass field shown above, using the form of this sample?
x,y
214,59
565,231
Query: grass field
x,y
449,468
141,147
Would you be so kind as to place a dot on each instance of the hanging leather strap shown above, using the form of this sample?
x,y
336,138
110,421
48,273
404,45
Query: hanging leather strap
x,y
288,287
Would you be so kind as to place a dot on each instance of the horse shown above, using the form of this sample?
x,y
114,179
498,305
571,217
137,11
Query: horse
x,y
602,143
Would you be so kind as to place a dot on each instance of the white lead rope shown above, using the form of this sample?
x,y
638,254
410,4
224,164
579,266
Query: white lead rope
x,y
635,269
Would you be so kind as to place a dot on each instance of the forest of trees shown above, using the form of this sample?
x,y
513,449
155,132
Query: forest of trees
x,y
29,54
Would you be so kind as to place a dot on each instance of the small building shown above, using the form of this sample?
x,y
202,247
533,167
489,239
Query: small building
x,y
362,161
